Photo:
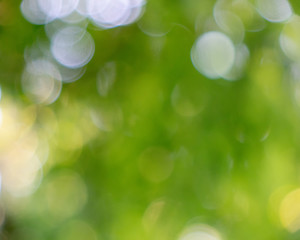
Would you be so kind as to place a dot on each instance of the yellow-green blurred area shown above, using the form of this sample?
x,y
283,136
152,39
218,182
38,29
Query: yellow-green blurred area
x,y
149,119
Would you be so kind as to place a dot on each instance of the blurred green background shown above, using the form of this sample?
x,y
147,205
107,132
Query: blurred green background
x,y
127,119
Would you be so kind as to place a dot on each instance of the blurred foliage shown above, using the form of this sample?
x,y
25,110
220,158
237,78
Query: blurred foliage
x,y
143,146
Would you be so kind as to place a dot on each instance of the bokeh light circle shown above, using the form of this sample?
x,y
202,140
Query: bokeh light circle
x,y
274,10
41,81
33,13
213,54
73,47
290,211
57,8
70,193
200,232
111,13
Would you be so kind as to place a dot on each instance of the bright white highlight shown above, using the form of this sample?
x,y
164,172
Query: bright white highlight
x,y
103,13
57,8
213,54
22,175
21,169
72,47
274,10
45,11
111,13
33,13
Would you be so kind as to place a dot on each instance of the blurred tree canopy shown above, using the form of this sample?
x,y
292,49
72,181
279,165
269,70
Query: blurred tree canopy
x,y
127,119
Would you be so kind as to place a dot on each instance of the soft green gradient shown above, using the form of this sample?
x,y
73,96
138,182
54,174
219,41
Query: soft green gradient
x,y
145,146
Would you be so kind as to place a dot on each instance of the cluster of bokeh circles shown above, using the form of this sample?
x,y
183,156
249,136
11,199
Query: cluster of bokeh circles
x,y
71,45
220,51
49,64
104,14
